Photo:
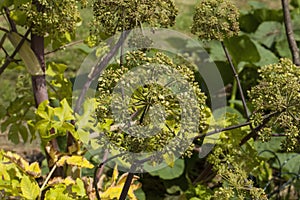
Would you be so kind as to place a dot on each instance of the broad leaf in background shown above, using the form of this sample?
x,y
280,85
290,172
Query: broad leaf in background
x,y
169,173
268,32
241,48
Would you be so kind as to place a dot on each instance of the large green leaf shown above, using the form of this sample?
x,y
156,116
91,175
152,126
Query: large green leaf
x,y
266,56
273,145
265,14
290,162
242,48
248,23
282,47
268,32
216,51
169,173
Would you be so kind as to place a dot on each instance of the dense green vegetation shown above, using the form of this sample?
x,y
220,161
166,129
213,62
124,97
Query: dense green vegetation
x,y
248,148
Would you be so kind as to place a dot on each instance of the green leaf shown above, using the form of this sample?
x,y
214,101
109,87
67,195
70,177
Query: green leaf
x,y
23,132
169,173
295,3
6,3
248,23
265,14
42,110
268,32
2,111
20,2
273,145
79,188
216,51
13,134
19,17
283,49
290,162
266,56
64,112
57,193
257,4
29,188
241,48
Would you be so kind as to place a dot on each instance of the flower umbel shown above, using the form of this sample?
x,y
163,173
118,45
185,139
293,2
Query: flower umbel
x,y
215,20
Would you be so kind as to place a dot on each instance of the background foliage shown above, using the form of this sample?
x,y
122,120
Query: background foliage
x,y
264,167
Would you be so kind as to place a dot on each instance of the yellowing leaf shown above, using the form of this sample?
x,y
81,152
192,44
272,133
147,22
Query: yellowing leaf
x,y
75,161
17,159
114,191
111,193
115,175
69,181
29,188
34,170
169,159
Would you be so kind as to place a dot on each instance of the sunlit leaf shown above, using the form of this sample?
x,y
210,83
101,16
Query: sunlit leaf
x,y
29,188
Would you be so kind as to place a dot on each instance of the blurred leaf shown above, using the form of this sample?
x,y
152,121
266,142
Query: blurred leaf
x,y
84,48
13,134
248,23
140,195
169,173
19,16
6,3
79,188
257,4
268,32
216,51
295,3
20,2
241,48
23,132
169,158
265,14
283,49
2,111
29,188
266,56
290,162
273,145
75,161
34,170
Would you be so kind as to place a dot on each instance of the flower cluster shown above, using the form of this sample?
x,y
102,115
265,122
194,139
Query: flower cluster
x,y
151,105
277,95
52,18
215,20
112,16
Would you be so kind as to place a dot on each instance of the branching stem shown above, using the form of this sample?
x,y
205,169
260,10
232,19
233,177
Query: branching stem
x,y
290,33
236,76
